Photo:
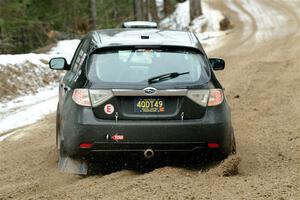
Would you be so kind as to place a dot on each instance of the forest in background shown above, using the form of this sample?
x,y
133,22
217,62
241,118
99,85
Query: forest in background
x,y
26,25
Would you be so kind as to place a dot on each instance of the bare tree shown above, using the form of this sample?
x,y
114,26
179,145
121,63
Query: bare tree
x,y
167,8
139,10
93,14
145,10
153,10
195,9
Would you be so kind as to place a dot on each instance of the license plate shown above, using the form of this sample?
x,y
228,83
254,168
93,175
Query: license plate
x,y
145,105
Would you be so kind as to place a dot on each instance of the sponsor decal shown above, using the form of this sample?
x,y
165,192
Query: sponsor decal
x,y
117,137
109,109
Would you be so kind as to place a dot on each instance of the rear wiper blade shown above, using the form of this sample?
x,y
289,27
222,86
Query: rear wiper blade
x,y
165,77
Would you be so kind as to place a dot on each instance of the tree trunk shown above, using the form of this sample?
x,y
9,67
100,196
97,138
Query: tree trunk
x,y
138,10
93,14
153,10
167,8
195,9
145,8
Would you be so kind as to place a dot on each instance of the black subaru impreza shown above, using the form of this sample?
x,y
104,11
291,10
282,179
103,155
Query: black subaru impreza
x,y
140,89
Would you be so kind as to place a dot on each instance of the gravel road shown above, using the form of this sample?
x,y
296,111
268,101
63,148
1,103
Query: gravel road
x,y
262,81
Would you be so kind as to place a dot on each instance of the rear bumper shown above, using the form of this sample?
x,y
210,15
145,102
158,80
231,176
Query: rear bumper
x,y
158,135
142,146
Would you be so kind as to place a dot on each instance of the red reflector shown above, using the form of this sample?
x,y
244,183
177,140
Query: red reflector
x,y
213,145
85,145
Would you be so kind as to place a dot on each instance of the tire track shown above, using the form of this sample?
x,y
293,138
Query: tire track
x,y
270,19
249,25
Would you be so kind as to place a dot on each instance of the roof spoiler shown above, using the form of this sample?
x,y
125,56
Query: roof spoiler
x,y
139,24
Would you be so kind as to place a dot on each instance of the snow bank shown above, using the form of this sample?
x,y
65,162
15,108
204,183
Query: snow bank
x,y
64,48
23,74
207,27
18,59
28,100
28,109
29,75
179,19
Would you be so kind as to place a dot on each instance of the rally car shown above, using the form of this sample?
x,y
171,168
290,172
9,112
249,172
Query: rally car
x,y
143,90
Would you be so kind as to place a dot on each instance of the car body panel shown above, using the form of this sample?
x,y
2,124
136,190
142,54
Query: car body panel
x,y
81,126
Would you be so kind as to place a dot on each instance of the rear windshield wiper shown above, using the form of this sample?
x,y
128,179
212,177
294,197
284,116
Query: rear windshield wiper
x,y
165,77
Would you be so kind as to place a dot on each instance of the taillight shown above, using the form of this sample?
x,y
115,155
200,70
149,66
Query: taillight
x,y
212,97
86,97
81,97
100,96
216,97
199,96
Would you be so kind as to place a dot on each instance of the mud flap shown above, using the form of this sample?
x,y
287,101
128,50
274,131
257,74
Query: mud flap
x,y
72,166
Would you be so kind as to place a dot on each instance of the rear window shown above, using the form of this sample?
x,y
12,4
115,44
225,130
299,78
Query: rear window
x,y
139,65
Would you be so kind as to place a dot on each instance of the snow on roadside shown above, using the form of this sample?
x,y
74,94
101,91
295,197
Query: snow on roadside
x,y
29,108
207,26
179,19
64,48
24,74
28,100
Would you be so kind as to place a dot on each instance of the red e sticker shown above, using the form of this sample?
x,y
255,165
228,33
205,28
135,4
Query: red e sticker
x,y
109,109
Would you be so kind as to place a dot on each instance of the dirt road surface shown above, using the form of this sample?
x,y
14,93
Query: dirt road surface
x,y
262,81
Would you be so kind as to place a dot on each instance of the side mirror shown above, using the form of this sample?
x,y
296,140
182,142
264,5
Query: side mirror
x,y
59,64
217,63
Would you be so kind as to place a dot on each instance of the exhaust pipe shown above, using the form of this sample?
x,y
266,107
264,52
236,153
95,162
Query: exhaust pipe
x,y
148,153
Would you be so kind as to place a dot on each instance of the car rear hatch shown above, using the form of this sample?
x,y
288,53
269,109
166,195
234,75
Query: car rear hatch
x,y
138,105
142,83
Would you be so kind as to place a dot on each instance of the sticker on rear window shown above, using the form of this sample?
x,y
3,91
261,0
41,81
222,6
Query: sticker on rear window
x,y
109,109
